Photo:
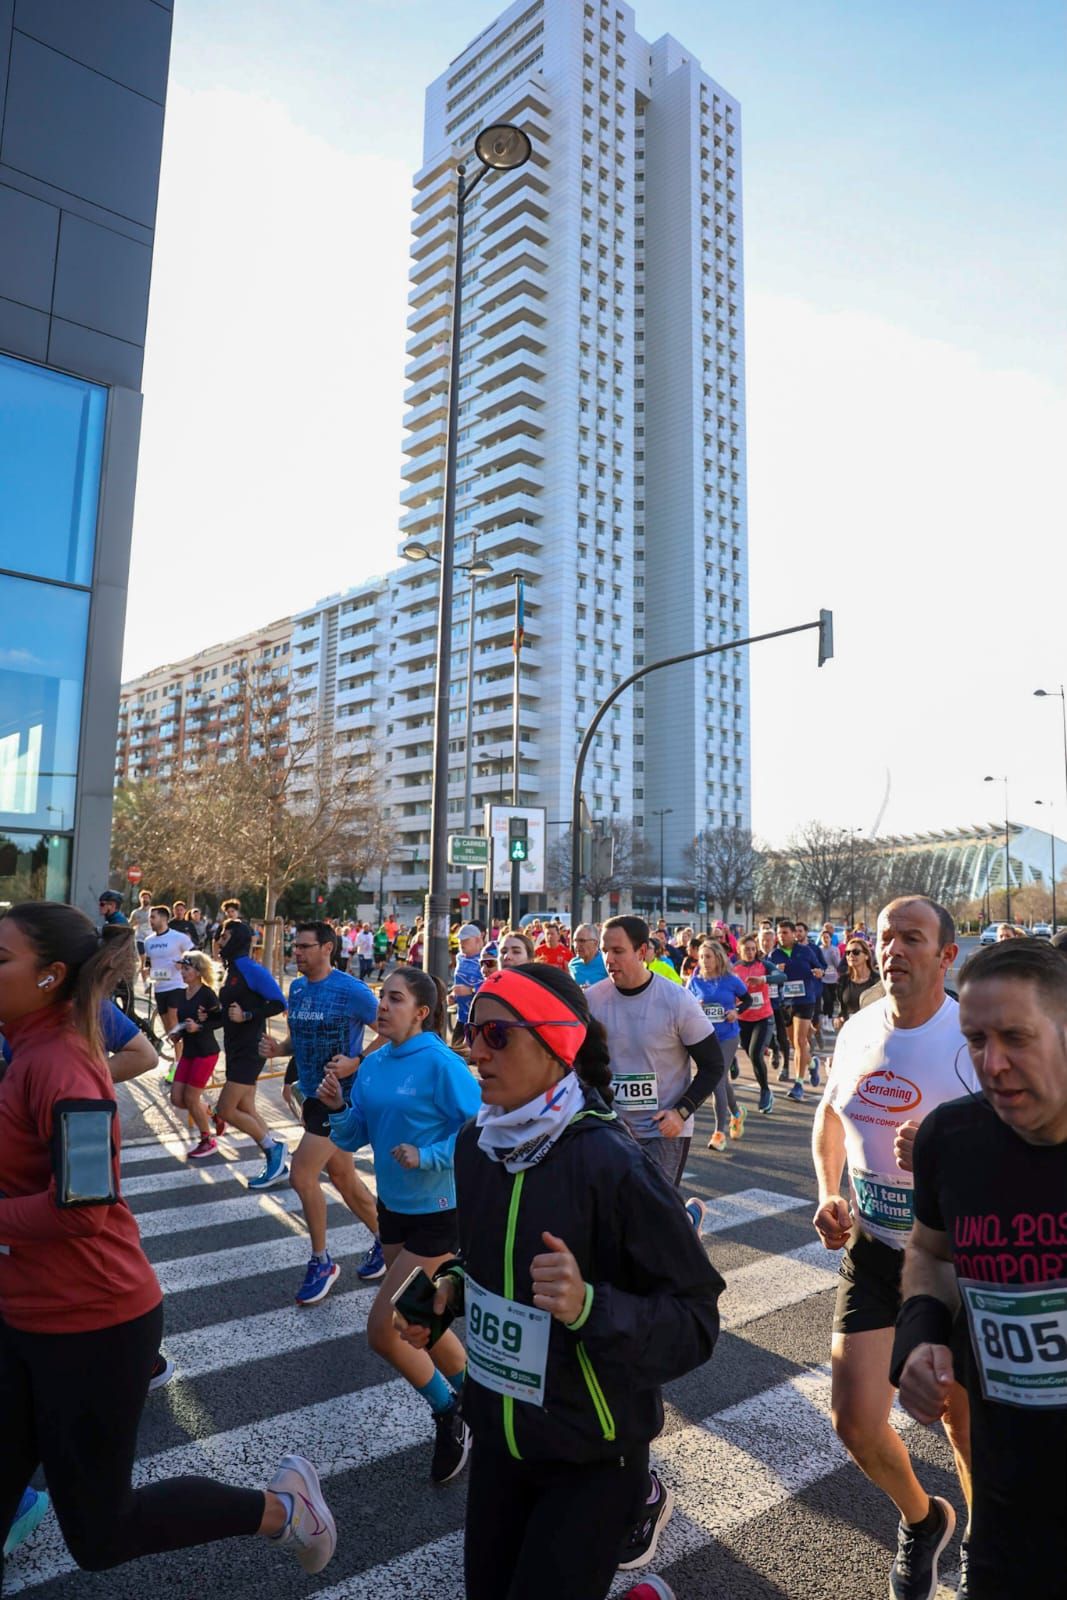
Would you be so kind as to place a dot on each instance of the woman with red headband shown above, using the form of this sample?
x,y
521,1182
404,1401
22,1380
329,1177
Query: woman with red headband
x,y
584,1289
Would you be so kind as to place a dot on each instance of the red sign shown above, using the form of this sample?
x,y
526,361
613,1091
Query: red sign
x,y
464,899
134,874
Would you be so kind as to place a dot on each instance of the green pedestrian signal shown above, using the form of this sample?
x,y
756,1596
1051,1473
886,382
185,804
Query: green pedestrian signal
x,y
517,850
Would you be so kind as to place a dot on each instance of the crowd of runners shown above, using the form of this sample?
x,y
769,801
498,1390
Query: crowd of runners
x,y
539,1267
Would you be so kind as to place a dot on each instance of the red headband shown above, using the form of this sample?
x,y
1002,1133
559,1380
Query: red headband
x,y
536,1002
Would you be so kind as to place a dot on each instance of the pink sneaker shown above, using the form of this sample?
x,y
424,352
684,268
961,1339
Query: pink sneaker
x,y
206,1147
651,1589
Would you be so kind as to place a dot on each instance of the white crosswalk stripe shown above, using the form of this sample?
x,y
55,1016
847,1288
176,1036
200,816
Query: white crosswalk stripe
x,y
737,1464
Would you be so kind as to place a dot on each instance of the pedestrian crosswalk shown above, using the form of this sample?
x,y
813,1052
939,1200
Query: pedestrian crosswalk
x,y
747,1440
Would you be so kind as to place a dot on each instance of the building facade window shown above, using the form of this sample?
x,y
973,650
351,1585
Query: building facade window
x,y
51,448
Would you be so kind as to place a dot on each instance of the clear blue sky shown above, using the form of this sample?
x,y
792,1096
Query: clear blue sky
x,y
904,172
904,157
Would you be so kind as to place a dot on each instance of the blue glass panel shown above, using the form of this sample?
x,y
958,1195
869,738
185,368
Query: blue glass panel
x,y
42,663
51,443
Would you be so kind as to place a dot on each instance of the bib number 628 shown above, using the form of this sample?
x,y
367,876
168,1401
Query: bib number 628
x,y
488,1327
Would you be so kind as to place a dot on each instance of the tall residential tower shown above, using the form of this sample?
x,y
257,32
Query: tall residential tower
x,y
602,422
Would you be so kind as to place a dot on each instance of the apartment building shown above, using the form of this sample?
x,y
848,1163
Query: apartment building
x,y
601,414
175,717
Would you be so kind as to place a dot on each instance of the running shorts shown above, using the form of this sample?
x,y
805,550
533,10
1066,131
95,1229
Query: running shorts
x,y
167,999
244,1067
316,1117
196,1070
868,1289
804,1012
424,1233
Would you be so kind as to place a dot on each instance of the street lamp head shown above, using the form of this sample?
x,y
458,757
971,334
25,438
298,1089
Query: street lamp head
x,y
415,551
480,569
1041,693
502,147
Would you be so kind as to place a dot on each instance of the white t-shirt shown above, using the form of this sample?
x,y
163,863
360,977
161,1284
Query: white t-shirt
x,y
365,942
649,1035
141,921
163,951
882,1077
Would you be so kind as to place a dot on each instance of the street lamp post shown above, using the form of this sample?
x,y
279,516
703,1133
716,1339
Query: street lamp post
x,y
1007,848
1058,694
668,811
499,148
825,625
1052,842
416,551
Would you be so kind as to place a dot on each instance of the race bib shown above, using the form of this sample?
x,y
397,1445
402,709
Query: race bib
x,y
793,989
884,1202
1019,1337
636,1091
715,1013
507,1344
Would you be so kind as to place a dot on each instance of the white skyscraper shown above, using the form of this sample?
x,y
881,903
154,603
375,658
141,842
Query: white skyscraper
x,y
602,434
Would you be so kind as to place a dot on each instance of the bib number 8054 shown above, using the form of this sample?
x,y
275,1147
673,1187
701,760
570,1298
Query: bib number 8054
x,y
1010,1341
488,1327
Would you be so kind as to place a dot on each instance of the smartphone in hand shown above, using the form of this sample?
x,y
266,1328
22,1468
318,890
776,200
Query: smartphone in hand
x,y
414,1301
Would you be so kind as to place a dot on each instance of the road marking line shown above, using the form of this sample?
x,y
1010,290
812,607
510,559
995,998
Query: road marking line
x,y
774,1282
270,1333
747,1205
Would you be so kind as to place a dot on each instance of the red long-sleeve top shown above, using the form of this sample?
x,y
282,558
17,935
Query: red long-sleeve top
x,y
62,1269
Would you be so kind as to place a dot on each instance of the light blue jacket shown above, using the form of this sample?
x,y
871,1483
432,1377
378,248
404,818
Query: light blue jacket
x,y
421,1093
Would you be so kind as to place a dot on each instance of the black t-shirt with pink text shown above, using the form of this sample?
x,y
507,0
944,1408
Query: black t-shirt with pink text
x,y
1003,1204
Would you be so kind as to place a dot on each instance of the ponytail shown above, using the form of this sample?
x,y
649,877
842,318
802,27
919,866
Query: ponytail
x,y
428,991
96,963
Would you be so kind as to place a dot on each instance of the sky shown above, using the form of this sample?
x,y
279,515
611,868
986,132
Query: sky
x,y
903,172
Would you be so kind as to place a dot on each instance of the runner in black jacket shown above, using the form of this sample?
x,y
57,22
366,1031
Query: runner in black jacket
x,y
584,1287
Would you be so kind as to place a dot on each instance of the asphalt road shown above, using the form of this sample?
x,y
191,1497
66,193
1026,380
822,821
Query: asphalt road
x,y
767,1504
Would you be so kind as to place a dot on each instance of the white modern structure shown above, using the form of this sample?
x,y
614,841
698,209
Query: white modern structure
x,y
601,408
973,861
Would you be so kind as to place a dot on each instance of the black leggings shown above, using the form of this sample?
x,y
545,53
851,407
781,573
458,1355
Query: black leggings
x,y
71,1402
538,1528
781,1034
755,1036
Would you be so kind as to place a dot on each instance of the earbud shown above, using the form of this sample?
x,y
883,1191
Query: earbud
x,y
46,983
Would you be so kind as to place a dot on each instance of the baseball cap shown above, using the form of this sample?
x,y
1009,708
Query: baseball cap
x,y
470,930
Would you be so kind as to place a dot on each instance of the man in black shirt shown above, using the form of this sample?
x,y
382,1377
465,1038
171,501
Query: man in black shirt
x,y
989,1247
182,922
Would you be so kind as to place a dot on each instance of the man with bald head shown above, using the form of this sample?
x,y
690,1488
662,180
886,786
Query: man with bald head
x,y
896,1060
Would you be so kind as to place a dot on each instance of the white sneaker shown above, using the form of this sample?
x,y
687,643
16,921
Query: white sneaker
x,y
311,1529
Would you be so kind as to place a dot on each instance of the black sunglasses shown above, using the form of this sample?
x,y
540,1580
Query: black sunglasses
x,y
495,1033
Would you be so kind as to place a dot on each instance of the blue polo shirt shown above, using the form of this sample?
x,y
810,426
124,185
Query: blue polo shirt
x,y
586,973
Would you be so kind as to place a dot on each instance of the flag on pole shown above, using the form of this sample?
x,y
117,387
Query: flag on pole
x,y
520,615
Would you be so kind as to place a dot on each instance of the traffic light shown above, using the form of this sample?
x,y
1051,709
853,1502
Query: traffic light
x,y
518,839
826,636
517,850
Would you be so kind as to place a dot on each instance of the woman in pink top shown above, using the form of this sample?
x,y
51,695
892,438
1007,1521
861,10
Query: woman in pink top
x,y
757,1024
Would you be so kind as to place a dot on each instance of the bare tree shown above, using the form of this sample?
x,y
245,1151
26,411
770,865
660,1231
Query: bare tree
x,y
723,864
823,858
616,857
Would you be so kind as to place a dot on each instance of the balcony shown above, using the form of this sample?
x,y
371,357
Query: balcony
x,y
516,309
432,286
438,212
423,520
524,389
430,487
521,476
432,308
430,439
498,264
431,262
422,368
522,422
431,408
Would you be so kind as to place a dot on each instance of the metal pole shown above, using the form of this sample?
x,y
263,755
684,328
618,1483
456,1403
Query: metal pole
x,y
469,878
1007,857
605,706
852,878
435,955
516,887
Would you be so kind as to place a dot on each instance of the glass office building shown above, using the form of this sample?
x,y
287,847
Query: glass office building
x,y
81,127
51,446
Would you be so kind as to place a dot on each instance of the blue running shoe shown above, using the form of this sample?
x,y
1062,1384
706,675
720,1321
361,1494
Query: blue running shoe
x,y
275,1167
813,1074
319,1279
766,1102
797,1091
32,1508
373,1264
696,1211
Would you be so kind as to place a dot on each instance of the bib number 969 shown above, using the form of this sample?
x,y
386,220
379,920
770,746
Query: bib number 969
x,y
487,1326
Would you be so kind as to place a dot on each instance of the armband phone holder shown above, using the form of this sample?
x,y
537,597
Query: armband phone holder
x,y
83,1150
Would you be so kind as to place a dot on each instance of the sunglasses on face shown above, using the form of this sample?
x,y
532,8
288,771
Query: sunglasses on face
x,y
856,952
495,1033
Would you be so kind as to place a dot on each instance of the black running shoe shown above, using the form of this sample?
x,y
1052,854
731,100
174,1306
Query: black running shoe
x,y
913,1575
640,1544
452,1445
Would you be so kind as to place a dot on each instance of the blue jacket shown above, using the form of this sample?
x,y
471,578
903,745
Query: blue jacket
x,y
421,1093
728,992
798,966
586,973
